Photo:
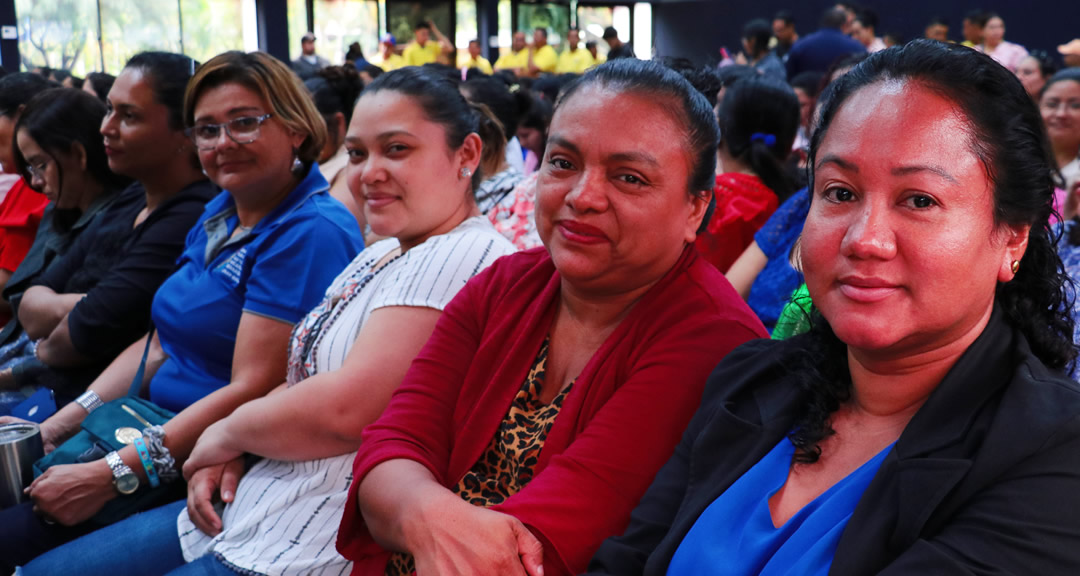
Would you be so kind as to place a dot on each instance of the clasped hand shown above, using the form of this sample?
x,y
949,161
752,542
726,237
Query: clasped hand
x,y
459,538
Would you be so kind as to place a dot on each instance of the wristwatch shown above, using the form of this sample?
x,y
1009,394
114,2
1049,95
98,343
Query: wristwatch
x,y
90,401
124,478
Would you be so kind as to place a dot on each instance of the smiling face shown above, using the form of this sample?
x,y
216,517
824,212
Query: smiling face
x,y
259,167
403,173
1060,108
900,249
138,139
614,212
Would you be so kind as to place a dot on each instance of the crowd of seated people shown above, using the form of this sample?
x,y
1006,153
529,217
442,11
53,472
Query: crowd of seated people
x,y
515,319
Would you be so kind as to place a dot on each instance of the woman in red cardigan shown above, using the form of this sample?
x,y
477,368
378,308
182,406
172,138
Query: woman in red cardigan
x,y
558,382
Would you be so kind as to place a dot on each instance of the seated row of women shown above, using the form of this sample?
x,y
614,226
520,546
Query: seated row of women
x,y
449,407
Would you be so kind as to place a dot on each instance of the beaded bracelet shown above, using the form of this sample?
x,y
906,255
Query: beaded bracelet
x,y
148,465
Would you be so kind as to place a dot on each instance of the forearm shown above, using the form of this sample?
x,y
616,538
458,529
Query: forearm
x,y
294,427
57,349
113,383
392,498
41,310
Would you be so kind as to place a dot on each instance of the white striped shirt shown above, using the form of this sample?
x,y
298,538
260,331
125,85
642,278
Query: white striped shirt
x,y
285,516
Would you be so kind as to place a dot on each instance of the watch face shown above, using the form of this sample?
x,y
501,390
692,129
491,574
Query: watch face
x,y
127,484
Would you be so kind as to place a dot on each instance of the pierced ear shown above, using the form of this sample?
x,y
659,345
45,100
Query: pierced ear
x,y
699,207
1016,243
471,151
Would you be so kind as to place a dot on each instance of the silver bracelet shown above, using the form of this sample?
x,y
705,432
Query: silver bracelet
x,y
164,463
90,401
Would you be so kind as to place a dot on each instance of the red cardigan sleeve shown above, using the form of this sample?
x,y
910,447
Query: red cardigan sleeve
x,y
586,493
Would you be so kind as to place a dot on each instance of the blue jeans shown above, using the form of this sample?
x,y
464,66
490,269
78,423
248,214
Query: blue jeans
x,y
144,544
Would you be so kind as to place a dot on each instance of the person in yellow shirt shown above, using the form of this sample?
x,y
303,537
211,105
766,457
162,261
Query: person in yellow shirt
x,y
542,57
517,59
388,58
574,60
475,60
423,50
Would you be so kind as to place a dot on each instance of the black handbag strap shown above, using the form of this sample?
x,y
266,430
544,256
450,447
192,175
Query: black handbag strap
x,y
136,384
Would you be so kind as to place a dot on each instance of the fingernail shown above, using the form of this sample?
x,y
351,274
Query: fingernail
x,y
540,570
227,495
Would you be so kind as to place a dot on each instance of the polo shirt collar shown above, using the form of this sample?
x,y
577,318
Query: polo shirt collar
x,y
223,209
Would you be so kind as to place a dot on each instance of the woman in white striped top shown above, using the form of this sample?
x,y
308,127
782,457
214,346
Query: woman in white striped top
x,y
414,156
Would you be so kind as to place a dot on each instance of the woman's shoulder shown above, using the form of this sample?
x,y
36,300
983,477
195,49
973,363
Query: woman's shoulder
x,y
472,235
703,288
1046,401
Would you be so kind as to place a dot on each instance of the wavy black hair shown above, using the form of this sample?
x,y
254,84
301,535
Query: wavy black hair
x,y
759,118
1007,136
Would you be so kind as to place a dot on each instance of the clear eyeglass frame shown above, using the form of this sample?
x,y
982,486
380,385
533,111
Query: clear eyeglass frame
x,y
37,171
242,130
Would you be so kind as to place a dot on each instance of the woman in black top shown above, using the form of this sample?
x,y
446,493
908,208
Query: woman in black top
x,y
95,300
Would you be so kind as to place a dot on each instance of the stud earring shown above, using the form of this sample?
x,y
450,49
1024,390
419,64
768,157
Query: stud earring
x,y
1015,267
465,172
297,167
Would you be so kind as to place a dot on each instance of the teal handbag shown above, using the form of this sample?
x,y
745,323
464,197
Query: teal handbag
x,y
110,428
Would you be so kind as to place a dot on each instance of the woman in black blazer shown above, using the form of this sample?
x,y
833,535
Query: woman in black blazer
x,y
923,426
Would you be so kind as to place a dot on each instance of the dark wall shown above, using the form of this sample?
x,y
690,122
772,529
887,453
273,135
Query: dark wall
x,y
697,29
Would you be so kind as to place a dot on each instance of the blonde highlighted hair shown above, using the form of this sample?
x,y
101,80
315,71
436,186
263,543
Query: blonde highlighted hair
x,y
270,78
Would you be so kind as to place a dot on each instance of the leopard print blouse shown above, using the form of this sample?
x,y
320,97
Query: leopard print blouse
x,y
506,466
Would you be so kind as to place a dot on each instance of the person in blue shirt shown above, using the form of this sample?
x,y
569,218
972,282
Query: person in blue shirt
x,y
820,50
258,259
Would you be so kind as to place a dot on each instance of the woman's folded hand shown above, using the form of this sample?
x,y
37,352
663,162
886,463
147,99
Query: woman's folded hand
x,y
453,537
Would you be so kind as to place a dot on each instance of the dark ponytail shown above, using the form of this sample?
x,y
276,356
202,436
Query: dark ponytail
x,y
759,118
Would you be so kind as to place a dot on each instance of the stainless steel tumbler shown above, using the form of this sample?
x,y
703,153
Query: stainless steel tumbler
x,y
20,447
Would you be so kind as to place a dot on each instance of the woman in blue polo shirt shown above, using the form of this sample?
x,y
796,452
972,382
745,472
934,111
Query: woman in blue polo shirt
x,y
260,257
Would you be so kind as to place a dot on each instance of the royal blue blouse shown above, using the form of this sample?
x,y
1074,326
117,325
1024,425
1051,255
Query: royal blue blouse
x,y
280,269
735,535
774,284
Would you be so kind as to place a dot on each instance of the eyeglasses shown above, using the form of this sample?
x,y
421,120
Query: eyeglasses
x,y
242,130
37,171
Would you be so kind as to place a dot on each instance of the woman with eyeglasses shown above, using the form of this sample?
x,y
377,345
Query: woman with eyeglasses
x,y
259,258
94,301
22,208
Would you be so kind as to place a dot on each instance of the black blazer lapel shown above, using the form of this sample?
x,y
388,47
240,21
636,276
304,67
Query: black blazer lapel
x,y
726,448
932,456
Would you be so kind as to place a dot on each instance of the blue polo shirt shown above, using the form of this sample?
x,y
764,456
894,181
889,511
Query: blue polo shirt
x,y
280,269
